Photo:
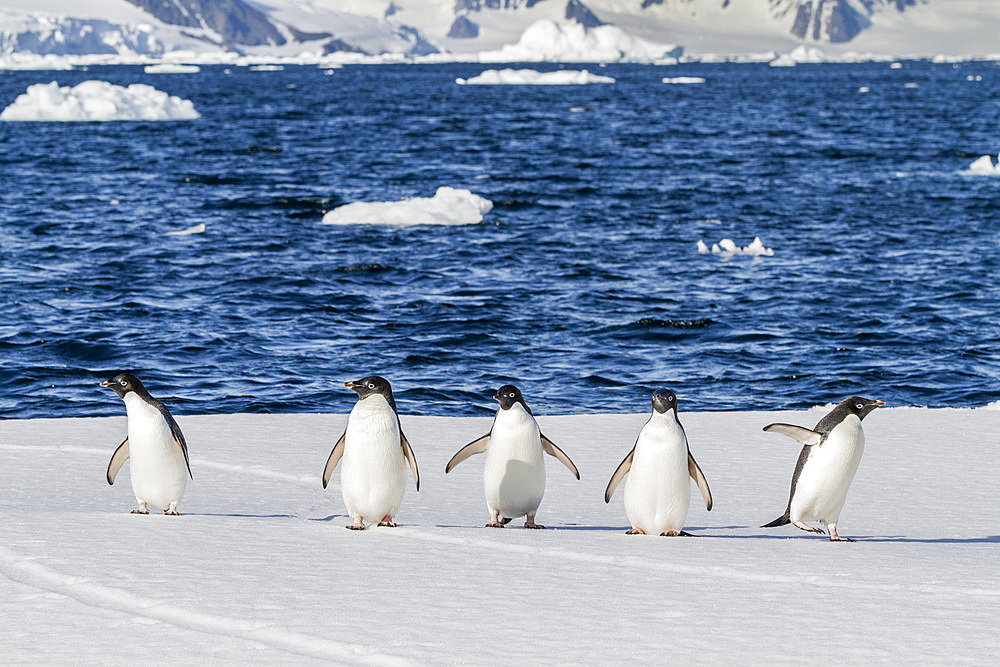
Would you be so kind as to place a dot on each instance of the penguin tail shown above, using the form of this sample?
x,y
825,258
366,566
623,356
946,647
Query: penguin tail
x,y
780,521
505,520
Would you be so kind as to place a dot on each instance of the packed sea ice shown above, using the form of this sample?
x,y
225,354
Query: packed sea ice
x,y
728,248
448,206
97,101
530,77
683,79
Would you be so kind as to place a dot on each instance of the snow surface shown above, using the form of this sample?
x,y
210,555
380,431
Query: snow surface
x,y
532,77
728,248
548,40
259,567
448,206
97,101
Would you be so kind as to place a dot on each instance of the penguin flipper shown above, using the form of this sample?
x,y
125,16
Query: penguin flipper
x,y
331,463
118,459
551,449
175,430
410,458
699,478
616,479
799,433
477,446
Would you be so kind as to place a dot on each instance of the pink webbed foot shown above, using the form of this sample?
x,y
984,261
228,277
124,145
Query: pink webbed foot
x,y
387,522
494,524
635,531
172,510
807,528
143,509
530,523
358,524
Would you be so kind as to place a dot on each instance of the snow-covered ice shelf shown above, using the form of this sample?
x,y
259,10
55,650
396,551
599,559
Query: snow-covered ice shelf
x,y
97,101
532,77
260,568
448,206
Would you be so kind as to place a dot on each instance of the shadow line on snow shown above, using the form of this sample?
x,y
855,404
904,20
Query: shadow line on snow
x,y
242,516
991,539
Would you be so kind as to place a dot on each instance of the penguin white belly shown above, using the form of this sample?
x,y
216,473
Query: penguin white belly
x,y
373,470
157,467
514,471
822,485
657,489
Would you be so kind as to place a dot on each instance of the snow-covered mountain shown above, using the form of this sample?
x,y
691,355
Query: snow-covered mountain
x,y
463,29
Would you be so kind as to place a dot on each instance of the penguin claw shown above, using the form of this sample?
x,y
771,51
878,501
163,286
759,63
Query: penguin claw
x,y
494,524
536,526
355,526
635,531
387,524
139,512
840,538
171,512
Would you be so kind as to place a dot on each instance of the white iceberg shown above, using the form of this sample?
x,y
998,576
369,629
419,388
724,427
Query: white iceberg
x,y
194,229
530,77
97,101
546,40
983,166
728,248
171,68
683,79
448,206
800,54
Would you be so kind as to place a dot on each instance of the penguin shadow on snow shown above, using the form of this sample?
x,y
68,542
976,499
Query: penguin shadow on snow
x,y
990,539
237,515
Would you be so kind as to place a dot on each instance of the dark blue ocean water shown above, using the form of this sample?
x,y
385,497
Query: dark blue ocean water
x,y
583,285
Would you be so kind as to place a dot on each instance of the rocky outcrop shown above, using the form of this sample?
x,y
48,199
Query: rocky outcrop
x,y
232,21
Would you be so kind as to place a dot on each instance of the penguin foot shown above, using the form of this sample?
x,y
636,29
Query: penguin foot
x,y
386,524
635,531
530,523
139,512
357,525
808,529
841,538
171,512
494,524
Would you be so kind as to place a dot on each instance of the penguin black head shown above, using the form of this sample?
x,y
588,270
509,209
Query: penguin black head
x,y
123,383
860,406
508,395
371,385
664,400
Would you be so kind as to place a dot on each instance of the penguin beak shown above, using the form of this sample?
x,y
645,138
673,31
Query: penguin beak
x,y
350,384
106,383
879,404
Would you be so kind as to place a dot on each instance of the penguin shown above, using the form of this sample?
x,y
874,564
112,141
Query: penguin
x,y
657,491
826,466
375,454
514,471
160,466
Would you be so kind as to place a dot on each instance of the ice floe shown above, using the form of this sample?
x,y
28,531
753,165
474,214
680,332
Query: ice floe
x,y
448,206
530,77
800,54
171,68
194,229
984,166
683,79
728,248
97,101
547,40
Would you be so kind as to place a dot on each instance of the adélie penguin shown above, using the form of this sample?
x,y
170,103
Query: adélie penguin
x,y
826,466
514,470
160,467
657,490
375,453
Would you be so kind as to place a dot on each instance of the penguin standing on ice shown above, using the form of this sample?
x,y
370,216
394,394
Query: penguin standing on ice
x,y
514,471
657,491
375,454
160,468
826,466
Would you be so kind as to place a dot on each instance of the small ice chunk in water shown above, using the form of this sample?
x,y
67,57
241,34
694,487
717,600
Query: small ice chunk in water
x,y
984,165
728,248
448,206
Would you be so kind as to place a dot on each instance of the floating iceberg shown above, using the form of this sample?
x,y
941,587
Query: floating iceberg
x,y
728,248
529,77
984,166
194,229
800,54
683,79
448,206
97,101
547,40
171,68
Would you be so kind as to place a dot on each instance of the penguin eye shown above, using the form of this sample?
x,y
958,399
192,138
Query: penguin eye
x,y
859,406
123,382
510,395
371,386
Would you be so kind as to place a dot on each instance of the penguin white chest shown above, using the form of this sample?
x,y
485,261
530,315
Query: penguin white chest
x,y
657,489
373,470
514,470
822,484
157,468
